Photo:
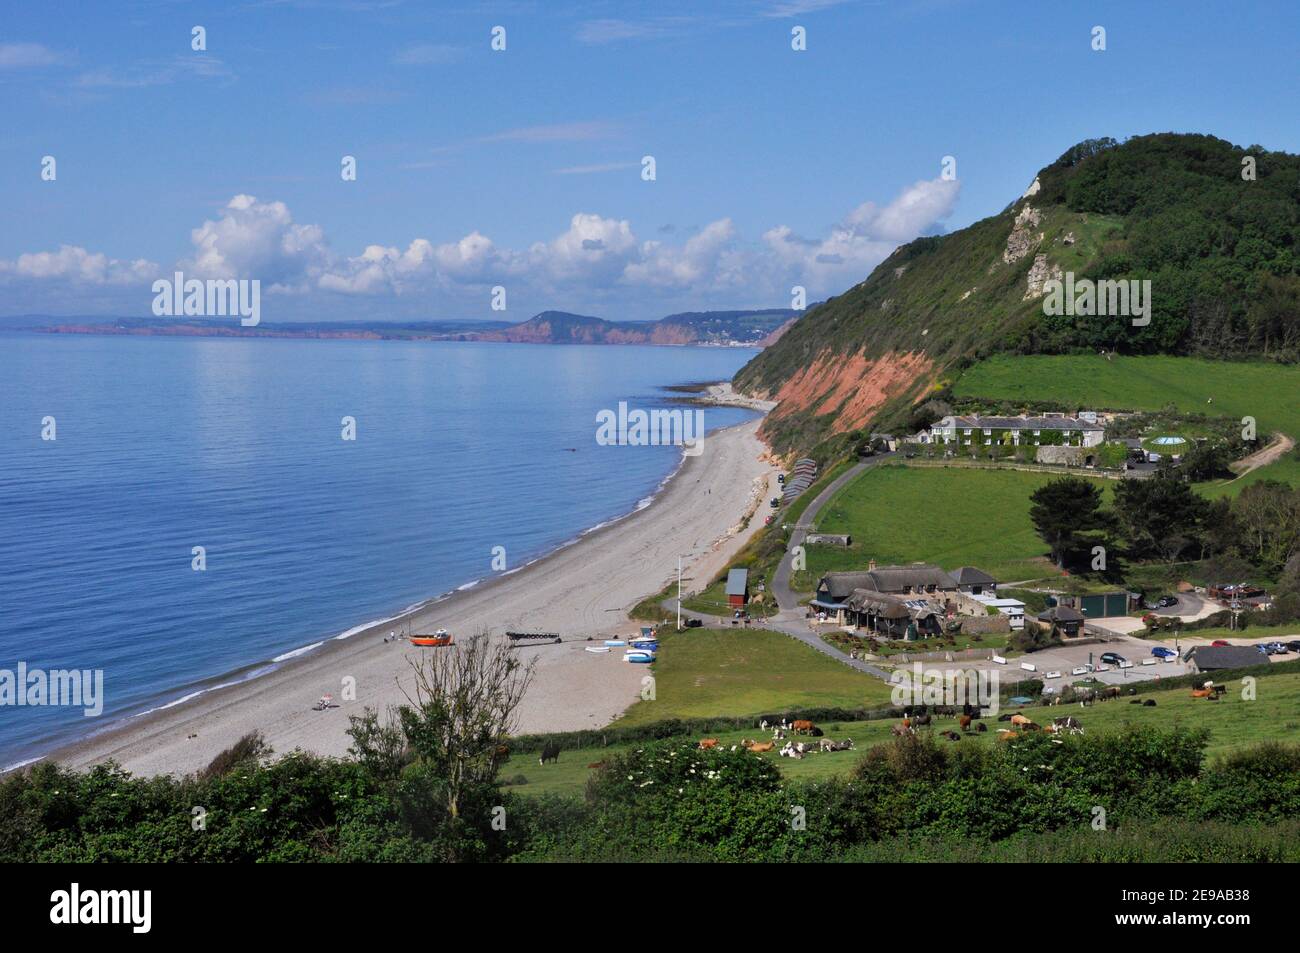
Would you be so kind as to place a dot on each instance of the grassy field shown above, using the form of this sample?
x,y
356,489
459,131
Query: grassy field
x,y
1260,390
1233,722
701,673
951,516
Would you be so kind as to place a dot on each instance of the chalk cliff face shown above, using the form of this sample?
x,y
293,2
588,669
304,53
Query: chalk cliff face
x,y
867,358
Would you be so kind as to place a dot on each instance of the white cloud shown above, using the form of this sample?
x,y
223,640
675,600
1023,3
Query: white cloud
x,y
27,56
864,238
73,263
253,239
596,260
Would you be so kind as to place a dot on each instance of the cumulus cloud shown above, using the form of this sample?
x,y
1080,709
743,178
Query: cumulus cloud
x,y
594,259
864,238
252,239
75,264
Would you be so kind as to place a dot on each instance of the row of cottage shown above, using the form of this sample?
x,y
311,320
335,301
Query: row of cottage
x,y
915,602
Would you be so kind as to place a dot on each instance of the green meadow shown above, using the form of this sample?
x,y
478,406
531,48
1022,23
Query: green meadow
x,y
705,673
952,516
1268,392
1234,722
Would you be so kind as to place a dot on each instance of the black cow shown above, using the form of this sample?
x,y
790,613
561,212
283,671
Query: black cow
x,y
550,752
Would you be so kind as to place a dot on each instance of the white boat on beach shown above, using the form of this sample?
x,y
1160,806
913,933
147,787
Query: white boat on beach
x,y
598,649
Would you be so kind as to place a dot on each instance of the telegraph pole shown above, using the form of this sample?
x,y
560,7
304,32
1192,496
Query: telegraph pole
x,y
679,593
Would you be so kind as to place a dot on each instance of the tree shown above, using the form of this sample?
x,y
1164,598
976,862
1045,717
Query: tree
x,y
1159,517
1068,516
462,710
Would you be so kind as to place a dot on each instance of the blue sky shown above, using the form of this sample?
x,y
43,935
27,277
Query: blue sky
x,y
522,168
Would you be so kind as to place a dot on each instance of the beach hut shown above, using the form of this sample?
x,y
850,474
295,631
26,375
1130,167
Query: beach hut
x,y
738,588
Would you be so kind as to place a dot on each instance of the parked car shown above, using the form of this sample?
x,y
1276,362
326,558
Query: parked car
x,y
1293,646
780,478
1161,652
774,502
1274,648
1112,658
1220,642
1167,601
694,623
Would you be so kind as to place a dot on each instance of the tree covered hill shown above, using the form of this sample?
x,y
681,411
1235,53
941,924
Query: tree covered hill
x,y
1211,225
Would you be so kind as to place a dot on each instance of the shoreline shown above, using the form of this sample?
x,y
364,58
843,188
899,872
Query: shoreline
x,y
181,735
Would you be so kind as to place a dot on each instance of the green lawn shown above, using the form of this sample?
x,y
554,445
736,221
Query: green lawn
x,y
952,516
702,673
1233,723
1264,391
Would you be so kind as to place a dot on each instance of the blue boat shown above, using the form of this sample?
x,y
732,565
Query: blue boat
x,y
639,657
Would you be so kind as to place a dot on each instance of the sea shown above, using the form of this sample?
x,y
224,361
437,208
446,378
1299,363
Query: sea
x,y
176,509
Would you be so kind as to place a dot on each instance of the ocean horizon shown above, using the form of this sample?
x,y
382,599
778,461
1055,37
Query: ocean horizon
x,y
468,460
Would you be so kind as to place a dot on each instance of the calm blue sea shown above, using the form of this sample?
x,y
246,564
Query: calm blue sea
x,y
164,444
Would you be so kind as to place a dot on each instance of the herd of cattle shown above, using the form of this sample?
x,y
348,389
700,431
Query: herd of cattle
x,y
915,719
792,748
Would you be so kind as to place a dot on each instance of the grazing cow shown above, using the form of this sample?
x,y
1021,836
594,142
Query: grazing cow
x,y
1021,720
758,747
708,743
964,722
803,726
1108,693
550,752
1149,703
1068,724
980,726
922,720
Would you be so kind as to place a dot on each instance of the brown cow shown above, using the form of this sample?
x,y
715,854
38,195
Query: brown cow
x,y
708,743
1005,734
1021,720
964,722
758,747
1202,692
802,726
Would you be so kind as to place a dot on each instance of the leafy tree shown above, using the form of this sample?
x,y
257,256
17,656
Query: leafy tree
x,y
1159,517
1068,515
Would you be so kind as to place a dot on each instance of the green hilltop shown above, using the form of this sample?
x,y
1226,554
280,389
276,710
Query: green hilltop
x,y
1212,225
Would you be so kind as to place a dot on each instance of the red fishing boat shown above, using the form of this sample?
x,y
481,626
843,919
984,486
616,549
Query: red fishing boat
x,y
441,637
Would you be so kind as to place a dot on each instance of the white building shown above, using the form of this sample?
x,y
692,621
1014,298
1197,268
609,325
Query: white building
x,y
1047,430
